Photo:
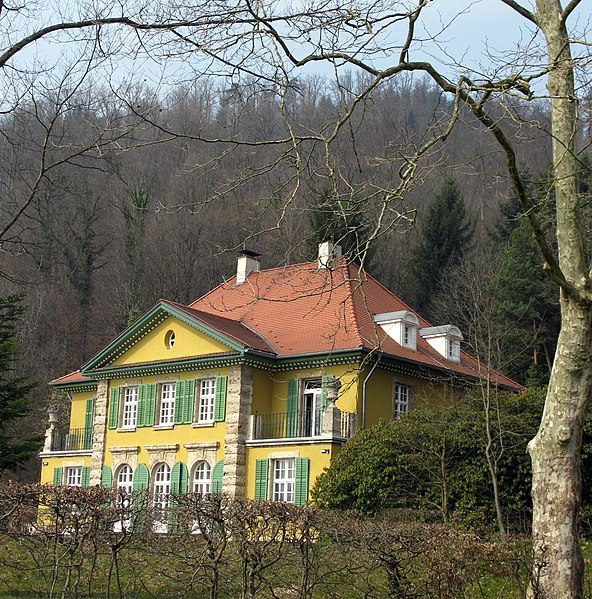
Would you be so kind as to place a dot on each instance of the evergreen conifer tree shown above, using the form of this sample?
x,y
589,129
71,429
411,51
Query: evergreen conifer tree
x,y
14,390
445,236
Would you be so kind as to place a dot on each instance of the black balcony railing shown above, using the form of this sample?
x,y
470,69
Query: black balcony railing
x,y
286,425
76,439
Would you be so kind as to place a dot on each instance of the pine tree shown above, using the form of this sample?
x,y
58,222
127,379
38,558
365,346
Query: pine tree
x,y
445,236
341,219
14,390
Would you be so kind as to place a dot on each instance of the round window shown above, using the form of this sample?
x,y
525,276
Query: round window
x,y
169,339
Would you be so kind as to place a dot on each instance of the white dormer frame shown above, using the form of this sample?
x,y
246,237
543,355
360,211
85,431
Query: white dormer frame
x,y
445,340
401,326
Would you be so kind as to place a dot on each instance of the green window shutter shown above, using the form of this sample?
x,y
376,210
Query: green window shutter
x,y
292,409
220,405
85,478
301,486
114,408
88,424
326,378
261,474
179,402
146,405
150,405
106,477
57,477
141,478
179,477
188,407
184,402
217,475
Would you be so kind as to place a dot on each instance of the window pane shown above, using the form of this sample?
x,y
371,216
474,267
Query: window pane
x,y
74,477
401,400
207,400
130,407
162,486
167,403
283,480
202,478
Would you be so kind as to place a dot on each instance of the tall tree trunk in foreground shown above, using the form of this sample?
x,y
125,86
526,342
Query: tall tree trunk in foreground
x,y
556,449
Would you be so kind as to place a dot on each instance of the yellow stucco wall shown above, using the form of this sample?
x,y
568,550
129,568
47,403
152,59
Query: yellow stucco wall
x,y
188,342
319,458
178,433
49,463
78,408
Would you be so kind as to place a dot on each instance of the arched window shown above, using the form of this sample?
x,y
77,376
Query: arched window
x,y
124,488
162,486
202,478
124,480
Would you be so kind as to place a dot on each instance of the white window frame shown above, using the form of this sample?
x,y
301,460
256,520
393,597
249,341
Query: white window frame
x,y
74,476
401,400
129,408
161,488
124,480
166,404
283,485
202,478
206,400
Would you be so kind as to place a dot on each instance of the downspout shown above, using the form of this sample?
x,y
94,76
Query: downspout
x,y
378,356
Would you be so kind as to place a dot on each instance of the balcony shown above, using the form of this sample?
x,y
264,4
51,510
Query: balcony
x,y
75,439
325,424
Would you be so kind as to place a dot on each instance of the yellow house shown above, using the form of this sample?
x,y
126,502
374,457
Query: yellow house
x,y
251,389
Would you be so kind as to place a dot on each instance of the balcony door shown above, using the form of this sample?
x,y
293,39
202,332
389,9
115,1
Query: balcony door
x,y
311,413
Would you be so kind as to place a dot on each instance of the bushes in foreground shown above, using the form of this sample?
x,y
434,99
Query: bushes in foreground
x,y
74,542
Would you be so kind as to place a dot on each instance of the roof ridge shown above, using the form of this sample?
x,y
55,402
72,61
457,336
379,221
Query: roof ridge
x,y
310,264
350,299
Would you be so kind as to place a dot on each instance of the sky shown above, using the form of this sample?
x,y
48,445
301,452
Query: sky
x,y
473,33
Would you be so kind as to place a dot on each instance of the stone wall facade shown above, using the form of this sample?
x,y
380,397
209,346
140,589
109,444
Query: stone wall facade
x,y
238,409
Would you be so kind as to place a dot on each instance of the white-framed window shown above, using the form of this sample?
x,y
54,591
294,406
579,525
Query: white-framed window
x,y
124,488
207,400
130,407
167,403
401,400
284,480
162,486
124,480
74,477
202,478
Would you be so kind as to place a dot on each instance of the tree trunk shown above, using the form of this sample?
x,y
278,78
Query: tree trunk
x,y
556,449
556,463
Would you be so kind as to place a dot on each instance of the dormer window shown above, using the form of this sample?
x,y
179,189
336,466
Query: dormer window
x,y
445,340
401,326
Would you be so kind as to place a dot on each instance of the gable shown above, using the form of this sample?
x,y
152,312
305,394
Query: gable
x,y
147,340
155,346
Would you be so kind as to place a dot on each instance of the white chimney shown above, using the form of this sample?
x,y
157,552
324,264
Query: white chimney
x,y
328,251
247,263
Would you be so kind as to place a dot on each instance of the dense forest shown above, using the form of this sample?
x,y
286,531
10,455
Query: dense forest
x,y
120,203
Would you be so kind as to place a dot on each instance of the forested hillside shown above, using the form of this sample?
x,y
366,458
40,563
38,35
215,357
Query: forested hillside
x,y
122,203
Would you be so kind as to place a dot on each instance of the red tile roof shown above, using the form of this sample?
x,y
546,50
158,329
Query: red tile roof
x,y
72,378
301,309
